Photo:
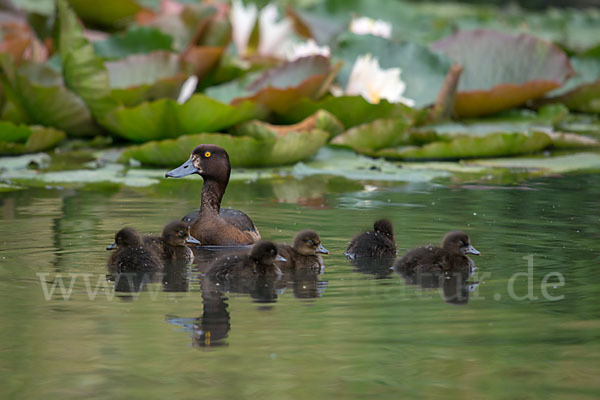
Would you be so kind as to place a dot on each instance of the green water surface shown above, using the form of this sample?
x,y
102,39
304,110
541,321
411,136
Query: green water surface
x,y
344,334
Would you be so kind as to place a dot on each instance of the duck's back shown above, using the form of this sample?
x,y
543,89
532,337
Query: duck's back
x,y
286,251
134,259
371,244
230,227
231,266
423,259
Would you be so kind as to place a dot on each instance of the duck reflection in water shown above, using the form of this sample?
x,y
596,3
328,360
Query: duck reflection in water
x,y
447,267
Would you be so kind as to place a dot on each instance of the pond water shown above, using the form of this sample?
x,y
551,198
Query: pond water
x,y
348,333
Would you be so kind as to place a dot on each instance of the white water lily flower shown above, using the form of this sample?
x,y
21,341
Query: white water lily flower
x,y
187,89
274,36
307,49
369,26
242,21
368,80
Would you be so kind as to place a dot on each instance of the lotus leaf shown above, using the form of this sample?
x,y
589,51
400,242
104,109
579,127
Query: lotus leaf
x,y
21,139
143,39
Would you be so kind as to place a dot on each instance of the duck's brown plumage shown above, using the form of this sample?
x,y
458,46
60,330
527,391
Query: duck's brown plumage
x,y
378,243
259,262
304,253
171,246
209,225
131,255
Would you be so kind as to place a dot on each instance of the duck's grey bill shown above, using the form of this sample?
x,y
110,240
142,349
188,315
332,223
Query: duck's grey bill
x,y
322,249
279,258
193,240
187,168
472,250
111,246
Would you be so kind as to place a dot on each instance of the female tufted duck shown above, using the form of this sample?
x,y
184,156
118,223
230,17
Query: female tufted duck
x,y
211,225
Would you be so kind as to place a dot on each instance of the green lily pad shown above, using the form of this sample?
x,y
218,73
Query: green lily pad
x,y
349,110
382,133
37,96
143,77
554,164
279,88
111,13
567,140
83,70
422,70
321,120
165,118
501,71
21,139
491,145
322,29
141,39
244,151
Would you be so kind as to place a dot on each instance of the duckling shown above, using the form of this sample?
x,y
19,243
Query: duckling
x,y
259,262
451,257
211,225
304,254
131,254
378,243
171,246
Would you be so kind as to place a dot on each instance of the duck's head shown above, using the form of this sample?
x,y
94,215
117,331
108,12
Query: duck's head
x,y
126,237
265,252
177,234
459,242
308,243
384,227
208,160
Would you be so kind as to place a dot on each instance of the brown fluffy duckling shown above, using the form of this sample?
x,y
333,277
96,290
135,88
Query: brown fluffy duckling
x,y
378,243
131,254
172,244
209,224
451,257
304,253
259,262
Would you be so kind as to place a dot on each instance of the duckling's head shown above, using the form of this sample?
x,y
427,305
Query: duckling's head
x,y
265,252
208,160
458,242
384,227
126,237
308,243
177,234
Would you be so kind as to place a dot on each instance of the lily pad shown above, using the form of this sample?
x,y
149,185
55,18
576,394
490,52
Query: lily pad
x,y
554,164
279,88
322,29
382,133
244,151
142,77
350,110
165,118
21,139
37,96
321,120
501,71
142,39
422,70
111,14
492,145
83,71
203,59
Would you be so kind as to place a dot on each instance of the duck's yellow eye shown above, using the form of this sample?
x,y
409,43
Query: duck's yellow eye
x,y
207,154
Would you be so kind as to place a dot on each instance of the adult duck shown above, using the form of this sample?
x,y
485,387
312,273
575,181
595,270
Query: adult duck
x,y
211,225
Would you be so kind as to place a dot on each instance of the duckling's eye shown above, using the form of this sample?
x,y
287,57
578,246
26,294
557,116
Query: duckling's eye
x,y
310,241
181,233
207,154
273,252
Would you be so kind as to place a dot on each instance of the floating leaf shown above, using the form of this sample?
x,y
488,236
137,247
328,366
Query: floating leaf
x,y
382,133
501,71
203,59
142,39
83,71
554,164
244,151
321,120
21,139
112,13
323,30
566,140
166,119
36,93
491,145
422,70
350,110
